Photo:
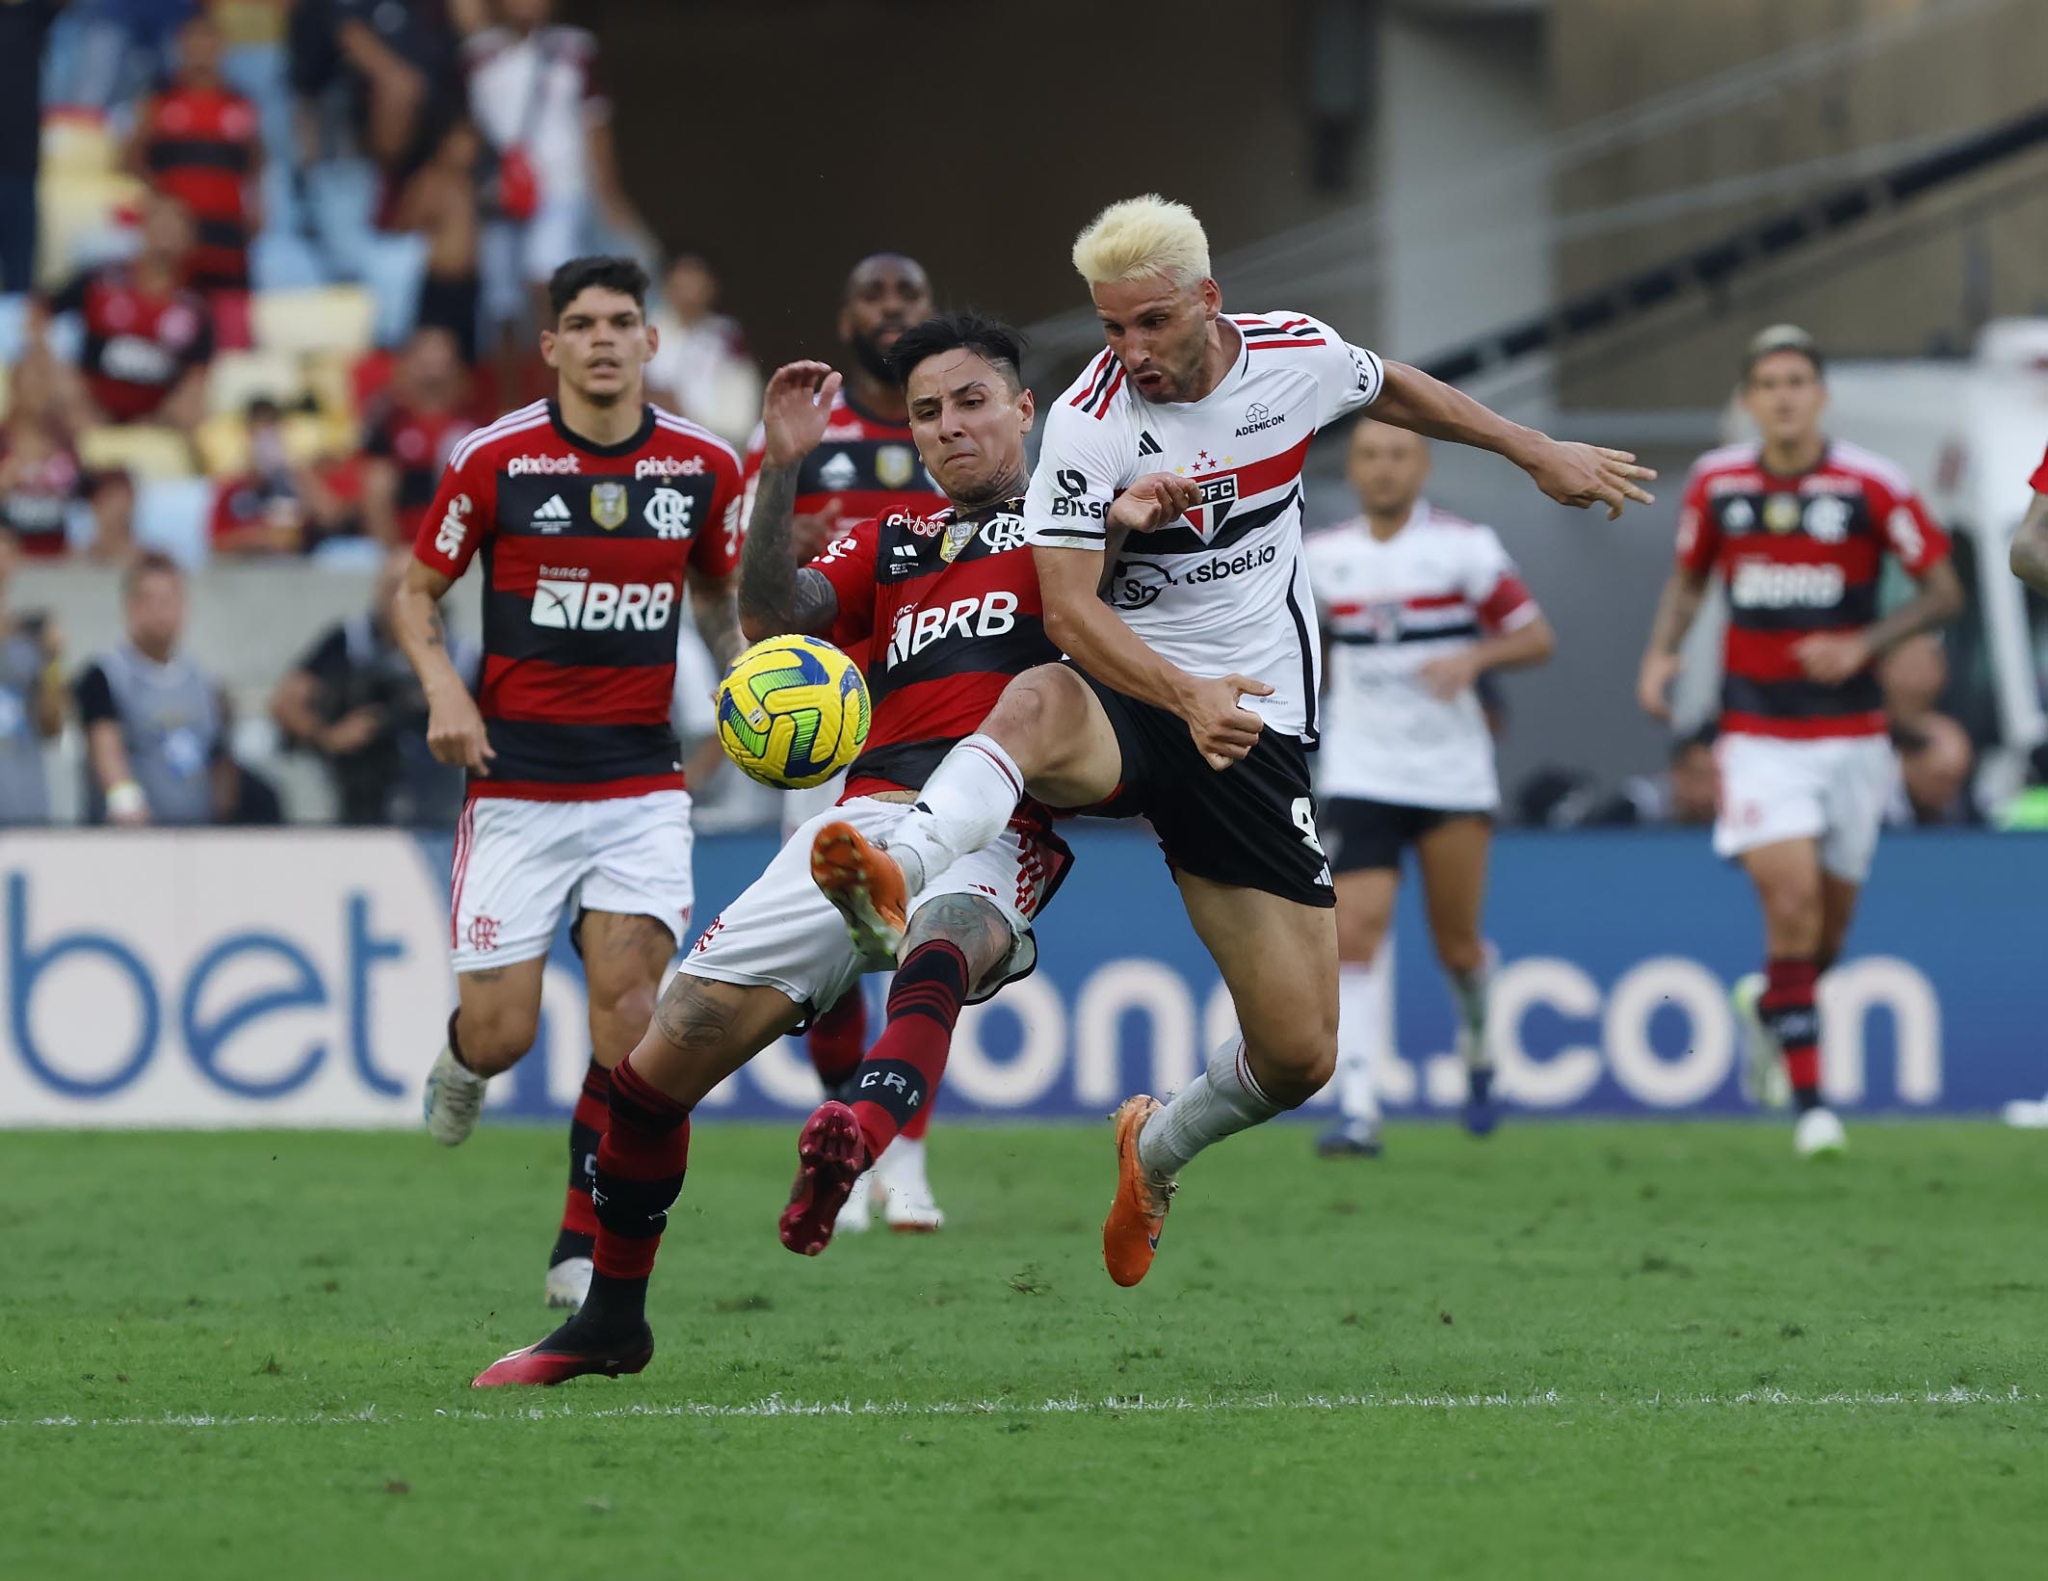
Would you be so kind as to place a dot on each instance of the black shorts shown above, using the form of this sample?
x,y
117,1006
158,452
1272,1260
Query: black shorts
x,y
1364,834
1252,825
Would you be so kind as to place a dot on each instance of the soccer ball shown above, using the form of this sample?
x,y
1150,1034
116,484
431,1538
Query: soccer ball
x,y
792,712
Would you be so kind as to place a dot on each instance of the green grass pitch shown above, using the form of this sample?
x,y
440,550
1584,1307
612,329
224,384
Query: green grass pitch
x,y
1573,1350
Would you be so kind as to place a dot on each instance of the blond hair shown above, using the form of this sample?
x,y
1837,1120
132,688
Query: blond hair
x,y
1143,236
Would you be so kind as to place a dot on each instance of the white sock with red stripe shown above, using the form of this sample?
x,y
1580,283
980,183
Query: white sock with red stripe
x,y
965,805
1222,1101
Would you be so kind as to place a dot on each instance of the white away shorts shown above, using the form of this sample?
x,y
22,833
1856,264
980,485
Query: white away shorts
x,y
783,934
518,864
1832,790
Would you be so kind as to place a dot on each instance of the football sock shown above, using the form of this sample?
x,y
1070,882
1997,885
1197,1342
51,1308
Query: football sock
x,y
1362,1035
1788,1009
640,1164
896,1082
1222,1101
1470,993
915,1127
965,805
586,1128
836,1041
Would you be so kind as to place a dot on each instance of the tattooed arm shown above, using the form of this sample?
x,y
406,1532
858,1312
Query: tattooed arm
x,y
776,595
718,621
455,730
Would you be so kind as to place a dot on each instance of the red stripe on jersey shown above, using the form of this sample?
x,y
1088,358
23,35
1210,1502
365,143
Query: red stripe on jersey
x,y
1275,472
1817,728
1509,597
551,790
1272,341
1109,395
954,705
2039,481
584,694
1096,374
1294,323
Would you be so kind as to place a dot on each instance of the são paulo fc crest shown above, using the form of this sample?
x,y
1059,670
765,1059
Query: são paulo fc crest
x,y
608,505
894,466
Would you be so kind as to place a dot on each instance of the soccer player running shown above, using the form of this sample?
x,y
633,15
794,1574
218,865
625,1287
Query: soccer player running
x,y
865,466
1190,430
1416,604
592,513
950,603
1798,526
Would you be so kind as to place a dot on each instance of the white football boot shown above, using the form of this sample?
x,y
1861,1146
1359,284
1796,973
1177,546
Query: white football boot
x,y
1819,1135
1762,1076
569,1283
857,1212
453,1100
908,1206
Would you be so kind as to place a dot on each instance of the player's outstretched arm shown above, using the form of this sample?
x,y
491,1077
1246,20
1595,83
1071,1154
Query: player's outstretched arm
x,y
1678,606
1570,473
776,594
455,730
2030,546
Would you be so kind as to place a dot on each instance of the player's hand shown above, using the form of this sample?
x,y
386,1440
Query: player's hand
x,y
1832,657
1582,475
1156,500
455,734
1450,677
1653,684
796,409
810,531
1224,732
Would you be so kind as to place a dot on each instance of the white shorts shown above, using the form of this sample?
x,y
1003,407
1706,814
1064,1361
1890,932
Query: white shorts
x,y
1832,790
800,806
783,934
519,863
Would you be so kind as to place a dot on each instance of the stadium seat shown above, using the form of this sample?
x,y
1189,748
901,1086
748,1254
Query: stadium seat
x,y
143,452
78,144
325,318
13,328
79,223
176,516
238,377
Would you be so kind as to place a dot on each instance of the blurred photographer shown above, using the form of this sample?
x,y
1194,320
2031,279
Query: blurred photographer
x,y
32,700
354,700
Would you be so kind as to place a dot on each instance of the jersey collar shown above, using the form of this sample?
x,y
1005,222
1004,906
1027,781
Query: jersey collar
x,y
589,447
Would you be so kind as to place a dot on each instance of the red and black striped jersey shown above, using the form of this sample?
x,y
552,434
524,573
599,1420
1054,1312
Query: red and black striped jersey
x,y
585,549
199,145
1800,554
948,608
138,344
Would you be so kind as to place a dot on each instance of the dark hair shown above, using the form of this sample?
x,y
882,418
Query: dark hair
x,y
148,563
578,275
1783,337
988,338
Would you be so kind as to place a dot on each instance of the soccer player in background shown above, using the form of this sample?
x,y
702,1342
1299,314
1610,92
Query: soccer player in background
x,y
950,601
1416,604
592,514
2030,538
1192,428
1797,525
865,466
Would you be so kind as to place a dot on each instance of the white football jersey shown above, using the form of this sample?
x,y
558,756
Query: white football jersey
x,y
1436,587
1220,591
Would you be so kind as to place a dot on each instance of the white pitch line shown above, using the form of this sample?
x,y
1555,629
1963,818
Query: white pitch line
x,y
1074,1405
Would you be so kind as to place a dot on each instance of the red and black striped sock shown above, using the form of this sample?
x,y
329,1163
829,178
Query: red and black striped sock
x,y
586,1130
641,1160
1788,1008
898,1080
837,1039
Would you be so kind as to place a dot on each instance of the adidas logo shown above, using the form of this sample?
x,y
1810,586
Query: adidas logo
x,y
554,513
1147,445
905,551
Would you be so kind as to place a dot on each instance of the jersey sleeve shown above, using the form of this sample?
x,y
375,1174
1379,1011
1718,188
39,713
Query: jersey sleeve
x,y
715,552
1348,377
848,563
1913,536
1083,464
1494,585
465,509
750,473
2039,481
95,696
1699,534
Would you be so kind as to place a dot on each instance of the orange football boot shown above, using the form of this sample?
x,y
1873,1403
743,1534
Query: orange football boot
x,y
865,884
1130,1235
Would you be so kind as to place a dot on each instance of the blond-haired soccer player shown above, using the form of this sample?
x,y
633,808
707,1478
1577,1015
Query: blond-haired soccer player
x,y
1189,694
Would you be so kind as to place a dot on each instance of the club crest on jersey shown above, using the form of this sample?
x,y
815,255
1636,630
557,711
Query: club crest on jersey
x,y
1781,512
1003,533
608,505
838,473
894,466
668,512
1218,495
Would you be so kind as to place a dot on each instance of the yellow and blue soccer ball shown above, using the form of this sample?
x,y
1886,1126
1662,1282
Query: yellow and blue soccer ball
x,y
793,712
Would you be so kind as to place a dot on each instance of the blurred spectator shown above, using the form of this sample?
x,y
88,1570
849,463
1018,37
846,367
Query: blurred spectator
x,y
148,337
32,700
379,67
353,699
155,722
281,506
1687,794
1913,676
533,91
120,45
1935,764
703,369
41,477
201,142
24,26
440,203
411,430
